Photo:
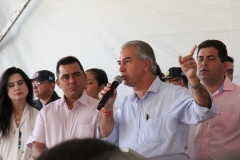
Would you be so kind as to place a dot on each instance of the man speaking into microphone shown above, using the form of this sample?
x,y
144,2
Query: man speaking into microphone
x,y
114,85
154,120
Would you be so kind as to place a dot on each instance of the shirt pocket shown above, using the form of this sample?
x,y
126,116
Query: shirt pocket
x,y
85,131
156,130
226,123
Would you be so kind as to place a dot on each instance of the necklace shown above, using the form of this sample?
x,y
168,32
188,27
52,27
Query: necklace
x,y
17,119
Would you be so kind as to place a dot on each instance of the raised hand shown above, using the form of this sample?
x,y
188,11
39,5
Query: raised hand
x,y
188,64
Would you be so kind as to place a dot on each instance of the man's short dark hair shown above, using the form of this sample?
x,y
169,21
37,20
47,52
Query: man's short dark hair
x,y
68,60
91,148
220,46
230,59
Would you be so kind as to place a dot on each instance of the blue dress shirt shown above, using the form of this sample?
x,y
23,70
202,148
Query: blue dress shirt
x,y
157,125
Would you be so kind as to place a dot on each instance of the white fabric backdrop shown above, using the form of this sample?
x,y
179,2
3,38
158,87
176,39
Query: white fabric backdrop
x,y
94,31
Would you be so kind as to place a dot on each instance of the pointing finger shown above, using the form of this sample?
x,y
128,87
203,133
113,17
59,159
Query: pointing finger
x,y
192,50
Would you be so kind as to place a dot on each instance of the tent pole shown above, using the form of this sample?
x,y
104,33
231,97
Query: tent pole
x,y
13,19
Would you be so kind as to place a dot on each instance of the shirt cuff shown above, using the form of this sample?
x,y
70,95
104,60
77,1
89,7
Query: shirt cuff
x,y
32,139
204,112
112,138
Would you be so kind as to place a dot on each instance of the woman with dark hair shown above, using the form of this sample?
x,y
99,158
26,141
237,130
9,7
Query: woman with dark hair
x,y
17,114
160,74
96,81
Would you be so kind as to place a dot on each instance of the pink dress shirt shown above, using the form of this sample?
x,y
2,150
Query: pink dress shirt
x,y
57,123
219,137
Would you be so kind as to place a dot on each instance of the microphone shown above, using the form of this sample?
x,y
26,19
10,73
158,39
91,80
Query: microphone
x,y
115,83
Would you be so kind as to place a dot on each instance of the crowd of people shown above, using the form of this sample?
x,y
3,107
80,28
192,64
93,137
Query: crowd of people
x,y
154,120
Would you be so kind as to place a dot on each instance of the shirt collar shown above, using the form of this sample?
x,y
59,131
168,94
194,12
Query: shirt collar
x,y
38,104
83,99
154,87
225,86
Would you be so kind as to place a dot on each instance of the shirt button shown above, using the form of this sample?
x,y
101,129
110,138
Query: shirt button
x,y
22,152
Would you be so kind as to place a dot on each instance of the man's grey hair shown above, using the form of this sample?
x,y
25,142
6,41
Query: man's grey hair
x,y
144,50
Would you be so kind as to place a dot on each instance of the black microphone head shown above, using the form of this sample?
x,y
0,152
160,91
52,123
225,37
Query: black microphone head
x,y
118,79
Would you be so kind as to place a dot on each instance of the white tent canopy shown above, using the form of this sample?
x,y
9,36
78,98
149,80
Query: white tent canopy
x,y
94,31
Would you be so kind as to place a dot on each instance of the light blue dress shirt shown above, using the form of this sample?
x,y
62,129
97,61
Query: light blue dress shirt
x,y
157,125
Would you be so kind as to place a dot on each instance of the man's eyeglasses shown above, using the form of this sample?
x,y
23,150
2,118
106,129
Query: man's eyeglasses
x,y
171,80
39,83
